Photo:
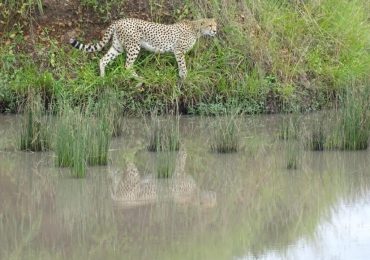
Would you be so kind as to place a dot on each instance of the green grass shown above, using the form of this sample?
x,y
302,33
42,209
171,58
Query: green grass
x,y
166,162
83,137
317,139
225,135
293,155
267,57
34,133
354,120
163,134
289,128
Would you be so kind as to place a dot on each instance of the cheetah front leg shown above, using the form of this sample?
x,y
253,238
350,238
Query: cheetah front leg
x,y
180,58
132,53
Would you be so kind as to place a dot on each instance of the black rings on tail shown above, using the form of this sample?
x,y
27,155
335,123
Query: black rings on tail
x,y
94,47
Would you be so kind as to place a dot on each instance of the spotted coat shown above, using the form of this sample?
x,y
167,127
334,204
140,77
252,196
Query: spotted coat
x,y
132,190
132,34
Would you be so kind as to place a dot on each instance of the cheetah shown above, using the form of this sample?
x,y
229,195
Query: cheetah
x,y
181,188
132,34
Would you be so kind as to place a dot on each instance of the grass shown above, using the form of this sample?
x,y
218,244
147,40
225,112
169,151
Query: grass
x,y
165,164
289,128
71,141
163,134
317,138
225,135
267,57
293,155
34,134
354,120
83,138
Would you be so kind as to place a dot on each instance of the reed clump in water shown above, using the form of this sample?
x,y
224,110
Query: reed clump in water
x,y
289,128
34,134
82,137
225,136
166,162
317,139
163,134
293,155
354,120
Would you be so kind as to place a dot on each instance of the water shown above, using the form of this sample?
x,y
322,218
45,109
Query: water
x,y
262,210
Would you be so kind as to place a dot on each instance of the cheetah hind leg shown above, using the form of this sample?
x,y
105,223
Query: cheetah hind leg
x,y
111,55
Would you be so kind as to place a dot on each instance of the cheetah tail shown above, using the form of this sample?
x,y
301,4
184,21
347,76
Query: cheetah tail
x,y
94,47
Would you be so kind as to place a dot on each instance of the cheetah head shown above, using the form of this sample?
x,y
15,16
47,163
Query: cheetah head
x,y
208,27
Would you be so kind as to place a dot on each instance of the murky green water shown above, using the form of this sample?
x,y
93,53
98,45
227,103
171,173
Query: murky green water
x,y
262,210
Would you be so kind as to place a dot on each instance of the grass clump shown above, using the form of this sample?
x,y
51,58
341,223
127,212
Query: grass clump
x,y
354,120
317,139
163,134
82,138
99,134
225,136
293,155
289,128
71,141
34,134
166,162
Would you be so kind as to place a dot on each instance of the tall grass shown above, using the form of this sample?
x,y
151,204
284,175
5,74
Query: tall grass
x,y
354,120
268,56
293,155
317,139
34,134
163,134
289,128
166,162
83,138
225,135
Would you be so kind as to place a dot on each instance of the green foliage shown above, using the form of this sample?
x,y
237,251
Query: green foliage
x,y
293,155
166,162
163,134
354,120
34,134
14,11
268,56
317,139
225,135
289,128
82,137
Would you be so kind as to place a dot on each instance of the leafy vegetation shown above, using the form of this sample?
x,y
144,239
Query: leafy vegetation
x,y
225,135
34,134
163,134
268,56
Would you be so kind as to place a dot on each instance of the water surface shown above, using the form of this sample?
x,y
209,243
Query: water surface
x,y
263,210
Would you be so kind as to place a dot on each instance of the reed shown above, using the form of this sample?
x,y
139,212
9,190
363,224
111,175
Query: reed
x,y
293,155
163,134
317,139
34,134
225,136
166,164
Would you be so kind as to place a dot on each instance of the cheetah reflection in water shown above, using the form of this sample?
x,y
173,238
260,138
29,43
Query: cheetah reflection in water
x,y
133,190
